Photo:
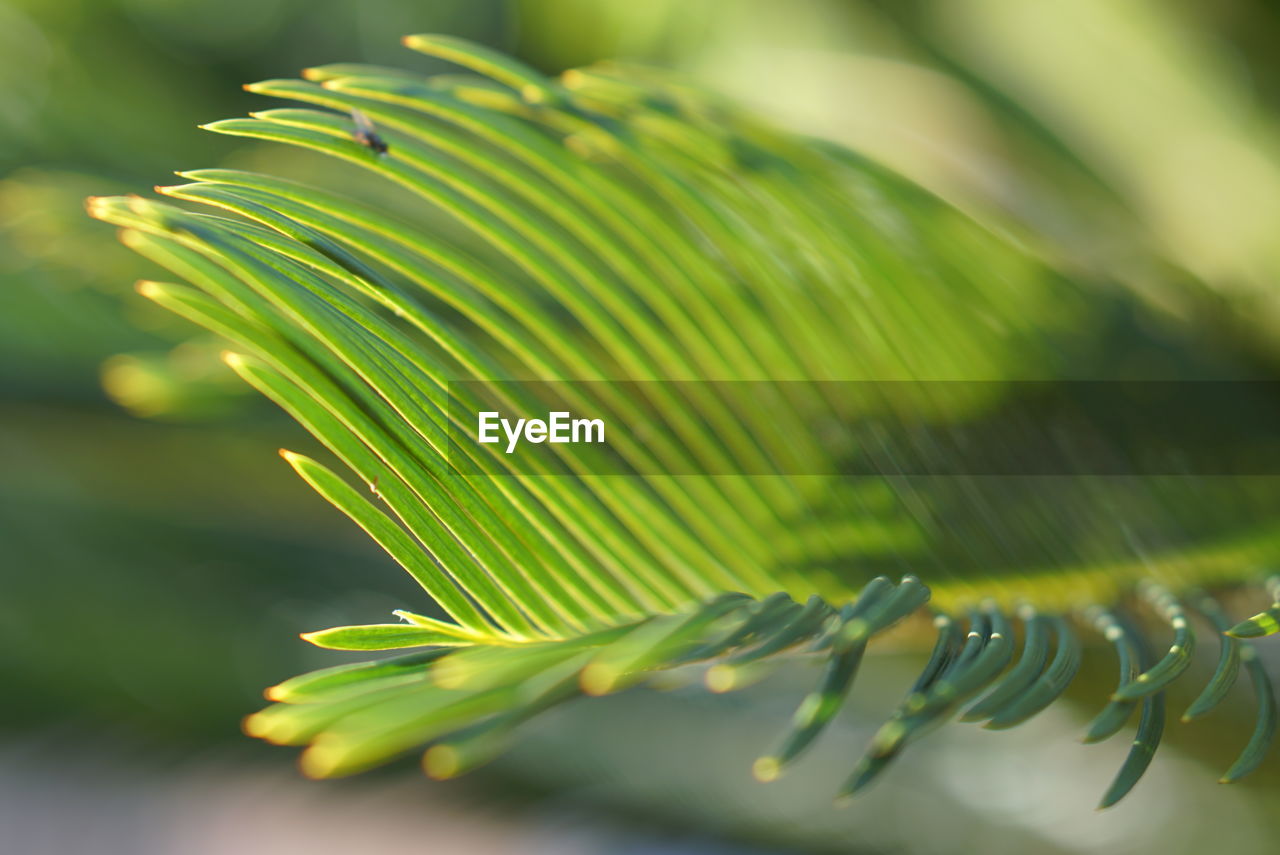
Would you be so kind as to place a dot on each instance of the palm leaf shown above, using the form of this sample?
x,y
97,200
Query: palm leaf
x,y
614,224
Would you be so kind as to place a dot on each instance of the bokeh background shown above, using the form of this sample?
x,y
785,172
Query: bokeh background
x,y
157,560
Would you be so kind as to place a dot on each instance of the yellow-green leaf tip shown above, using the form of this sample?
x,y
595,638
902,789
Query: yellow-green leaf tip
x,y
442,762
1257,626
766,769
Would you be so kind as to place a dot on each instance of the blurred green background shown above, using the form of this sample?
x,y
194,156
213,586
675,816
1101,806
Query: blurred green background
x,y
158,560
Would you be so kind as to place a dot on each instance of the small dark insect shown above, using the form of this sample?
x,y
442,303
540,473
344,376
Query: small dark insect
x,y
366,135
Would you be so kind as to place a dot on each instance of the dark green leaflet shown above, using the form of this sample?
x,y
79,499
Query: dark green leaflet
x,y
772,611
1264,732
1035,652
896,732
798,629
1150,730
1176,661
1114,715
987,650
820,706
1049,685
1228,667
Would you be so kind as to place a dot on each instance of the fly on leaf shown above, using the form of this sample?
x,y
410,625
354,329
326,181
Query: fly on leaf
x,y
366,135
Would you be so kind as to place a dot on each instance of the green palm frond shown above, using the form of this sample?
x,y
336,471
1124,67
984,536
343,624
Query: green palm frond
x,y
613,224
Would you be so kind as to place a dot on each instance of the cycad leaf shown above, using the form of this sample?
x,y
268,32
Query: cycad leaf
x,y
615,225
